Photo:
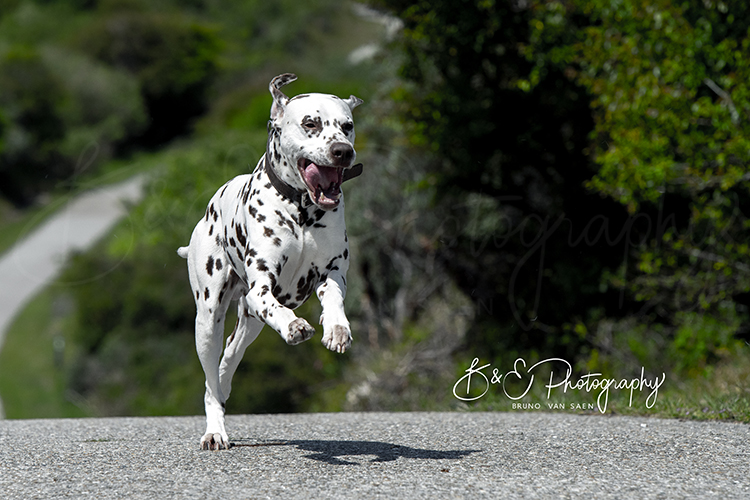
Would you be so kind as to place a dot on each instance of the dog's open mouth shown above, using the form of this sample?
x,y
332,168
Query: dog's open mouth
x,y
323,183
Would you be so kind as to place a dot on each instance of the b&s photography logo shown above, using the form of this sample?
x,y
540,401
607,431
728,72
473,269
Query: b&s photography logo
x,y
518,382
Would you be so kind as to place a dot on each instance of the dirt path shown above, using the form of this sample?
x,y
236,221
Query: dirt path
x,y
37,258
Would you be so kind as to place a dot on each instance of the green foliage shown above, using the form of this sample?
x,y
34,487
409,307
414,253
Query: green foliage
x,y
506,172
77,87
130,335
30,97
57,105
174,59
532,110
33,381
571,180
670,99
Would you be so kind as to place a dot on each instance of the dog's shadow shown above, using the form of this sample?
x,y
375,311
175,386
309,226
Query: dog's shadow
x,y
331,452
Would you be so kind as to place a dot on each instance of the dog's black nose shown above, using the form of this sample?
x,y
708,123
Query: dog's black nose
x,y
342,154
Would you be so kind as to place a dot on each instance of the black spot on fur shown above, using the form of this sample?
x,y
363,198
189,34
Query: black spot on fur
x,y
206,294
306,284
218,264
312,126
331,266
282,299
261,217
261,265
241,236
277,291
210,265
302,217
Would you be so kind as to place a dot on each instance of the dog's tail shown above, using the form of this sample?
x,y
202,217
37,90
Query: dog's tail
x,y
182,252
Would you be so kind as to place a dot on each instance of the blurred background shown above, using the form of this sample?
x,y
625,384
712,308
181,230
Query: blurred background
x,y
542,179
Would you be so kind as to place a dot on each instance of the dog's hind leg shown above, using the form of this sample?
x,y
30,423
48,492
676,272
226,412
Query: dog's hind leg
x,y
245,332
209,333
213,293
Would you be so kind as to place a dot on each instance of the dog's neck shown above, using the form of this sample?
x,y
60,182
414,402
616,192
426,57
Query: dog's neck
x,y
285,189
282,187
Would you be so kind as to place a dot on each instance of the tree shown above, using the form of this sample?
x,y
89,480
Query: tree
x,y
598,154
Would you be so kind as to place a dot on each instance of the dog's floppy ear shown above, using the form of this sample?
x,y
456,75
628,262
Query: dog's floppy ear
x,y
353,101
279,99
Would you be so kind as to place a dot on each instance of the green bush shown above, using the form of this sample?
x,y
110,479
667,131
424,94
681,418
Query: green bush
x,y
63,113
174,59
590,161
31,98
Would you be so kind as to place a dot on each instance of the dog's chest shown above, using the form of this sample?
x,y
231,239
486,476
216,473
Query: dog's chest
x,y
267,236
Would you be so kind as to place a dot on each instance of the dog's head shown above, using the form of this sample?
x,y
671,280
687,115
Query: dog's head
x,y
312,141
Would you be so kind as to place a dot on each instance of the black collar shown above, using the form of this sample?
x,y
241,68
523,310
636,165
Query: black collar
x,y
282,187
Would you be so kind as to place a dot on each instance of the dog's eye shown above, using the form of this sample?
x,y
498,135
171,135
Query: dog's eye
x,y
310,125
347,127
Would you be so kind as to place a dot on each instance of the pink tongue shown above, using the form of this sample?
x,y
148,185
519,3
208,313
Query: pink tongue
x,y
322,176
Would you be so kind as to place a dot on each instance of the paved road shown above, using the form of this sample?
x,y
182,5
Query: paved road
x,y
377,455
38,257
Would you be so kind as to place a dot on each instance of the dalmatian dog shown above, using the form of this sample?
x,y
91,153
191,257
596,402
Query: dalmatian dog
x,y
271,238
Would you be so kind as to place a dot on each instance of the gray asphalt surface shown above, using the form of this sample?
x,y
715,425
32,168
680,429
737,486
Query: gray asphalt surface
x,y
377,455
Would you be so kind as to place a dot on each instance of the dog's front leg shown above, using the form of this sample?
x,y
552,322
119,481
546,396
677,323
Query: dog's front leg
x,y
266,308
337,335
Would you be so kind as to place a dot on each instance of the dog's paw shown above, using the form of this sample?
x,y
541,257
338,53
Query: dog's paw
x,y
214,441
299,331
338,340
